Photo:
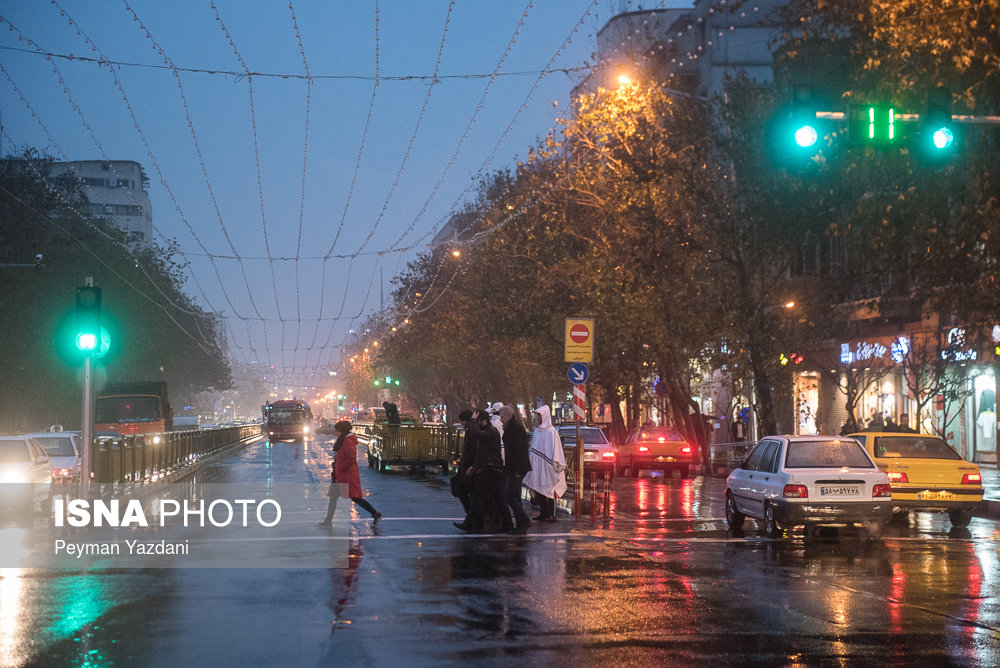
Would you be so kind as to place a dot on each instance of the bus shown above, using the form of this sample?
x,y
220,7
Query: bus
x,y
133,408
290,418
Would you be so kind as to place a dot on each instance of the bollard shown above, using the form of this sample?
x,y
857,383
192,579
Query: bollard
x,y
593,495
607,494
578,495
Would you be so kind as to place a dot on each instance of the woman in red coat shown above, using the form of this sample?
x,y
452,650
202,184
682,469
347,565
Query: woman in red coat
x,y
346,480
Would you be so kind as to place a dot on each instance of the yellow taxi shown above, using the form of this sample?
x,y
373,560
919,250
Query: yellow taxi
x,y
925,474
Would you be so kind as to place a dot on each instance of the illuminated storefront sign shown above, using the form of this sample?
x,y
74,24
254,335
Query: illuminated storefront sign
x,y
864,351
957,349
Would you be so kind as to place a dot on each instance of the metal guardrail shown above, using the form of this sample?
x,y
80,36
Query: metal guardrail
x,y
729,455
149,457
409,445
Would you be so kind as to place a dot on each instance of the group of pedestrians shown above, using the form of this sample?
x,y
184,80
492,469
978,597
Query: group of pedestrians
x,y
497,460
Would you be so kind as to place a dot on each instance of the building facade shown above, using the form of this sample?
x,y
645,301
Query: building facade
x,y
118,194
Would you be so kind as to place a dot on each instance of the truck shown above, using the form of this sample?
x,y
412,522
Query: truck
x,y
137,407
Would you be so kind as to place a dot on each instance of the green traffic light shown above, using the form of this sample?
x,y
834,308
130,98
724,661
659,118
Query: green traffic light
x,y
86,341
806,136
943,138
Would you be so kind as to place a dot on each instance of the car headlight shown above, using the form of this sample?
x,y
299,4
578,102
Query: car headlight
x,y
305,430
12,477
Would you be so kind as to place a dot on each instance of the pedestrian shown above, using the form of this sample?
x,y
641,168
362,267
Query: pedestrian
x,y
547,476
517,463
462,483
346,481
488,512
904,424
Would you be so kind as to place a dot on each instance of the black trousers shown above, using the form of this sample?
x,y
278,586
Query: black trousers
x,y
512,495
331,507
546,506
488,511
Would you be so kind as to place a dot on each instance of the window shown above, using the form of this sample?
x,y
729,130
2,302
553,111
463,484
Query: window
x,y
913,447
753,460
769,460
826,454
57,446
13,451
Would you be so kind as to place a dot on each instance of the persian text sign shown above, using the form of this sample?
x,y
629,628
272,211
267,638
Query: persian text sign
x,y
579,340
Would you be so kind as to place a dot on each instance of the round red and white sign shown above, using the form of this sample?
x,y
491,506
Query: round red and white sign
x,y
579,333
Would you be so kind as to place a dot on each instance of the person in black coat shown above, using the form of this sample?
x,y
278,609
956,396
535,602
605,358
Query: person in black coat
x,y
488,512
462,482
516,465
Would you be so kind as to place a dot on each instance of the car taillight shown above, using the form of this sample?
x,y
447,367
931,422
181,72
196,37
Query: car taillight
x,y
881,490
662,439
62,473
643,448
972,479
607,455
686,449
897,476
796,492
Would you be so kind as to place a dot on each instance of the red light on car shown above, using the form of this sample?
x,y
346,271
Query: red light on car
x,y
643,448
796,492
62,473
881,490
686,450
972,479
607,455
897,476
662,439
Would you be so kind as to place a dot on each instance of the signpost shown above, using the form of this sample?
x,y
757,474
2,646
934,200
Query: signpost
x,y
579,349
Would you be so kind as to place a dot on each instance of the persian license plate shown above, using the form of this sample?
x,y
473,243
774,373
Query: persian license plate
x,y
935,496
840,490
589,457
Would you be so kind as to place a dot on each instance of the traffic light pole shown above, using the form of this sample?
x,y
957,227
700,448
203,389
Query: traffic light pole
x,y
87,426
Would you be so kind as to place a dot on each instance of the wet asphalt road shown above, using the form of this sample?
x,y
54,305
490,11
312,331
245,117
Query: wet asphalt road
x,y
661,583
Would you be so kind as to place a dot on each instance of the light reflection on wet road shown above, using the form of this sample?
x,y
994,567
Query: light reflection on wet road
x,y
663,581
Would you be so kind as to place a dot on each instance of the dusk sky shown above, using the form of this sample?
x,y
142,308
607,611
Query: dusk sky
x,y
352,185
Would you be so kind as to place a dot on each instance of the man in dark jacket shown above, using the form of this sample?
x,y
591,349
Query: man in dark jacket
x,y
516,464
462,483
488,512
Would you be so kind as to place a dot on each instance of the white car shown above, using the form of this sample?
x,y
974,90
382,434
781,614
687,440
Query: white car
x,y
788,481
63,450
25,475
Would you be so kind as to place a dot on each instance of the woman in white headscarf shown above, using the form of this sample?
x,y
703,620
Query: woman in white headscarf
x,y
547,476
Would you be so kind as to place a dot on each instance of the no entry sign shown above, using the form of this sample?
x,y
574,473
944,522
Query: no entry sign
x,y
579,339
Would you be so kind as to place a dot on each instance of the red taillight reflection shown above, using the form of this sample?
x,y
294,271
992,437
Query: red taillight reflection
x,y
897,476
643,448
972,479
796,492
607,455
881,490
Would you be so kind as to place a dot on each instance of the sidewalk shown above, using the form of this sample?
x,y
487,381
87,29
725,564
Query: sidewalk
x,y
991,491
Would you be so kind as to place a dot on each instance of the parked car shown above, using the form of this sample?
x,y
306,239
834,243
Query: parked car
x,y
788,481
926,474
25,475
63,451
598,455
655,448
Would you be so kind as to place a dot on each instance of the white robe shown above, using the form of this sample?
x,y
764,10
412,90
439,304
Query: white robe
x,y
548,463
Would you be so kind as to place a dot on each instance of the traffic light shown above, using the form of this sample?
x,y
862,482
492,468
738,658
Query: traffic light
x,y
939,135
88,319
805,130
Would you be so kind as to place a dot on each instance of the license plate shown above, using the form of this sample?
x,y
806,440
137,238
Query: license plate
x,y
935,496
664,459
588,457
840,490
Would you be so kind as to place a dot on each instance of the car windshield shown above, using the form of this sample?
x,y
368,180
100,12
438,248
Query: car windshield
x,y
56,446
126,409
913,447
14,451
826,454
656,433
590,436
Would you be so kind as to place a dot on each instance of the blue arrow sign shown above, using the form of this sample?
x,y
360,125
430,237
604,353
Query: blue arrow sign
x,y
578,373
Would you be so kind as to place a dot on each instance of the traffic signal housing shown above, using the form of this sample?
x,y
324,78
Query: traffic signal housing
x,y
940,137
795,136
88,319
